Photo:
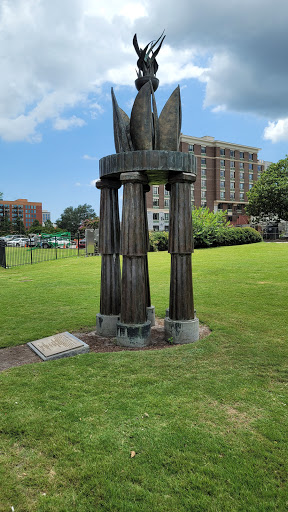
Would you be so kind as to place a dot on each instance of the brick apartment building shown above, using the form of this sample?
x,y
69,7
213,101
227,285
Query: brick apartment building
x,y
27,211
225,172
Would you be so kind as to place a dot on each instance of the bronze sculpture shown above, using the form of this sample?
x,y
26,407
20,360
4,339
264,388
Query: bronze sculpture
x,y
147,151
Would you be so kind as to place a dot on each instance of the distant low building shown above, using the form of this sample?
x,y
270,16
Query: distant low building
x,y
27,211
45,216
225,173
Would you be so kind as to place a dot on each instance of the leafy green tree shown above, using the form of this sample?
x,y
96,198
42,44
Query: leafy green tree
x,y
18,226
72,218
36,227
268,198
89,224
1,196
48,227
5,226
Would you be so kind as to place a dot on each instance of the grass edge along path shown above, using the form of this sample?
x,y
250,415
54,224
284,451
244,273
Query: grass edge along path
x,y
207,422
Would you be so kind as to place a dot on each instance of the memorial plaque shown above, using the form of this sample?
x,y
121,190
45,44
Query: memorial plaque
x,y
57,346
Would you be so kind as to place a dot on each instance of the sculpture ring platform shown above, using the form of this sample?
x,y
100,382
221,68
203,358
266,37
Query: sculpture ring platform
x,y
158,165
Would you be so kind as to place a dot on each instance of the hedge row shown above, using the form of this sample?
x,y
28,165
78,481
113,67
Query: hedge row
x,y
229,236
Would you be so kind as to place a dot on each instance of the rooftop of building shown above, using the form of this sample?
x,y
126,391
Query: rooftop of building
x,y
207,140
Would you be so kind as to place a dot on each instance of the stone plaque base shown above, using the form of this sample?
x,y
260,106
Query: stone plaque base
x,y
57,346
106,325
181,331
133,335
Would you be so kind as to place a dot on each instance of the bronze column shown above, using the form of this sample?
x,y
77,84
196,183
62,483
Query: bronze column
x,y
133,329
150,309
109,248
181,324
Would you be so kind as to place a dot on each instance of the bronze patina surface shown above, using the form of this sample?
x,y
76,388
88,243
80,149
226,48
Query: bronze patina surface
x,y
157,165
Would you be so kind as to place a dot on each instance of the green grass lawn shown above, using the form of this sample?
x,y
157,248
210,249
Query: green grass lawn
x,y
208,421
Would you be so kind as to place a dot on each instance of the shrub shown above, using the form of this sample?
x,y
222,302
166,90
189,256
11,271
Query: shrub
x,y
158,241
207,226
209,229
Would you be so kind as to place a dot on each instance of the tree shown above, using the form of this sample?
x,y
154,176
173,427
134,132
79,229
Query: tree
x,y
48,227
1,196
5,225
89,224
268,198
36,227
72,218
18,226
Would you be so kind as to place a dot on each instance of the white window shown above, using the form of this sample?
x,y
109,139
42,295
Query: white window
x,y
155,216
241,154
241,175
250,156
203,150
191,148
250,167
203,162
222,163
222,174
232,153
166,203
203,183
222,184
166,192
166,216
203,194
232,175
232,164
241,196
203,172
251,177
155,190
155,203
241,186
232,185
222,194
222,151
232,195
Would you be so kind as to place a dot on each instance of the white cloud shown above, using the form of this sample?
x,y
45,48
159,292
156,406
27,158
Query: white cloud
x,y
277,131
88,157
219,108
55,56
77,184
93,183
133,11
65,124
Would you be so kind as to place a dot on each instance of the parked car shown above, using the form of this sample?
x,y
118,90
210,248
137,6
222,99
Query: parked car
x,y
82,243
18,242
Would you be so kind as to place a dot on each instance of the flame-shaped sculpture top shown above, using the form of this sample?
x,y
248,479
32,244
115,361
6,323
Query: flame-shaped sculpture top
x,y
146,131
147,63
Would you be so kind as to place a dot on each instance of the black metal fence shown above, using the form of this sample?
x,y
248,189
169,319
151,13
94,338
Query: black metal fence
x,y
15,256
270,233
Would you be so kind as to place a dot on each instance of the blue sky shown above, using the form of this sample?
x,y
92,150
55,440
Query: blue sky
x,y
59,61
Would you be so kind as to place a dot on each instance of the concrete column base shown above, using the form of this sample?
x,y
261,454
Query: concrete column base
x,y
181,331
133,335
151,314
106,325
